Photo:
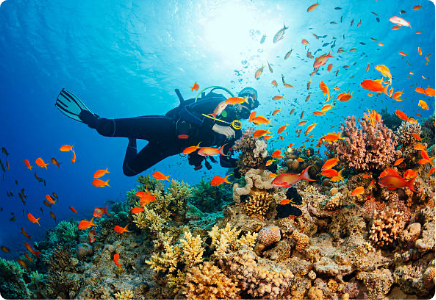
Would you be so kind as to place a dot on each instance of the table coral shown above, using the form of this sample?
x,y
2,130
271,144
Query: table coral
x,y
366,147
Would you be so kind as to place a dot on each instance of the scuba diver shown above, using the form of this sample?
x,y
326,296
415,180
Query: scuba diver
x,y
189,124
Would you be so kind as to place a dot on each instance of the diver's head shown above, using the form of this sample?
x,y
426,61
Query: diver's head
x,y
244,109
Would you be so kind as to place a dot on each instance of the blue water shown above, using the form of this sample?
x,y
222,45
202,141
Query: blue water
x,y
125,58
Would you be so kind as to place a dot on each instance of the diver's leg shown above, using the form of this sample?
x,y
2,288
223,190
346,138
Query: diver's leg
x,y
135,163
150,128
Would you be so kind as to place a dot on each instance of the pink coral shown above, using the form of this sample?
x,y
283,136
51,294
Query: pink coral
x,y
368,147
269,235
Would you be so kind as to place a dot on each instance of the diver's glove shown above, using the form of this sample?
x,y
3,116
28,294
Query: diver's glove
x,y
227,131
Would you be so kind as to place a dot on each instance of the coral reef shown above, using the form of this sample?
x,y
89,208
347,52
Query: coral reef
x,y
64,232
428,130
253,151
404,133
12,280
366,148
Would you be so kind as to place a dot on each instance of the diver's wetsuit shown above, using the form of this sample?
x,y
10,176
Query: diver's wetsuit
x,y
162,133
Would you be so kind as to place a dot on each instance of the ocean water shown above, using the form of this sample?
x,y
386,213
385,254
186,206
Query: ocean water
x,y
125,58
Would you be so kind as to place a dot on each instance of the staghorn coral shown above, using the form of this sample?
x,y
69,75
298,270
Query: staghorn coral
x,y
258,277
165,259
368,147
404,133
208,282
387,226
192,250
226,239
149,219
124,295
253,151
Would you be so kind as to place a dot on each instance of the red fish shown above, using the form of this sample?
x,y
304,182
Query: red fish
x,y
136,210
145,197
191,149
50,199
73,160
22,263
99,211
72,209
374,86
358,191
210,151
398,161
289,179
277,154
25,233
91,235
55,162
330,163
100,183
329,173
27,256
27,163
66,148
217,180
393,181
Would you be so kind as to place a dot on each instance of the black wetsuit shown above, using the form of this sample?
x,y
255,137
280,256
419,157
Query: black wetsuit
x,y
164,133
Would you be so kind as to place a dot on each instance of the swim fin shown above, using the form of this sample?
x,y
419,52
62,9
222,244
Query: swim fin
x,y
71,106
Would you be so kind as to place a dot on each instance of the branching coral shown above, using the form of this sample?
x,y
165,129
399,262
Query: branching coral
x,y
192,249
225,239
64,232
387,226
149,219
253,151
124,295
368,147
208,282
404,133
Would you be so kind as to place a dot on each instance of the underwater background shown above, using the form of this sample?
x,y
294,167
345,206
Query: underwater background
x,y
125,58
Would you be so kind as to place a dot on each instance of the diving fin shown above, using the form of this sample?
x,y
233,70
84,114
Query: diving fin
x,y
70,105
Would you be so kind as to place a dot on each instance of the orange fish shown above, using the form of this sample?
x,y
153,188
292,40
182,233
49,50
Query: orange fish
x,y
100,173
358,191
395,181
261,120
258,72
120,229
423,104
419,32
282,128
40,163
276,112
289,179
330,164
99,211
85,224
409,174
100,183
329,173
304,42
401,115
425,155
318,113
267,137
47,204
272,175
343,97
72,209
91,235
50,199
429,92
260,132
417,7
302,115
329,67
380,44
396,27
5,249
322,60
326,107
277,154
419,51
25,233
310,128
55,162
269,162
419,147
300,159
66,148
252,115
274,83
403,54
191,149
194,87
417,137
116,259
145,197
420,90
28,247
336,88
333,137
53,216
27,163
277,97
374,86
338,177
27,256
73,160
398,161
22,263
218,180
312,7
285,201
301,123
210,151
33,219
236,100
136,210
431,171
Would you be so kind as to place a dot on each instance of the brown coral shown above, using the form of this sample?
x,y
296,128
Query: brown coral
x,y
301,239
269,235
368,147
208,282
257,204
386,227
404,133
253,151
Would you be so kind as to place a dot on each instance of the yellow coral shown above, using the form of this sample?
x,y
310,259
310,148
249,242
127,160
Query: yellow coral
x,y
258,203
208,282
149,219
227,238
165,260
124,295
192,249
